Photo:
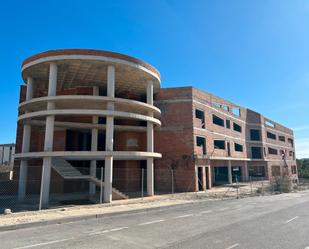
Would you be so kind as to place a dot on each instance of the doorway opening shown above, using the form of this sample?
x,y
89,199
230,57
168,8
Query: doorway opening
x,y
200,178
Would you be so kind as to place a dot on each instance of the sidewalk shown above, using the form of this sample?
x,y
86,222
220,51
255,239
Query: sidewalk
x,y
74,213
67,214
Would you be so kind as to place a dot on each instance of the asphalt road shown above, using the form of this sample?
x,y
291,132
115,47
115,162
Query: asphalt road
x,y
280,221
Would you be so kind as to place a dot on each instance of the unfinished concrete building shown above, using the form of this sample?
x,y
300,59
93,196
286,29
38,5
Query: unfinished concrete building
x,y
215,141
82,110
86,109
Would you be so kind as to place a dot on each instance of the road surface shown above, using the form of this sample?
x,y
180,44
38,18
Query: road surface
x,y
280,221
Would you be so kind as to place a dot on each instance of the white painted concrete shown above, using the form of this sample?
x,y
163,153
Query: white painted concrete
x,y
108,179
25,147
49,137
87,112
93,58
150,92
90,155
94,146
109,142
150,143
246,171
134,105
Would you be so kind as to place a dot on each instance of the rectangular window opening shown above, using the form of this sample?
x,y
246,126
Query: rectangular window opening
x,y
201,143
236,111
282,138
218,121
293,169
271,135
256,152
272,151
236,127
219,144
238,147
201,116
269,123
291,141
228,124
226,108
255,135
216,104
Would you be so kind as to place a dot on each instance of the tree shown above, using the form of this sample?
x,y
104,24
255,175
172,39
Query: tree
x,y
303,167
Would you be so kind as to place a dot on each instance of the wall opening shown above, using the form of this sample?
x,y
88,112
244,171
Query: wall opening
x,y
256,152
272,151
271,135
218,121
201,144
219,144
228,124
236,127
255,135
200,116
238,147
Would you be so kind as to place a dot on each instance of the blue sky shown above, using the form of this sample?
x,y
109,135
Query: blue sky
x,y
254,53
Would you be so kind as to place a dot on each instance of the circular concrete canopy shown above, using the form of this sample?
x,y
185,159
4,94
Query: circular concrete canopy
x,y
85,67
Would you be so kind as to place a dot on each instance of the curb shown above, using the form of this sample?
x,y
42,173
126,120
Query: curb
x,y
83,217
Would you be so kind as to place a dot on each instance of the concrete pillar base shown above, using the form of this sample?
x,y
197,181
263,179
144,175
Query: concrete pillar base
x,y
150,176
108,179
22,183
45,183
229,170
93,170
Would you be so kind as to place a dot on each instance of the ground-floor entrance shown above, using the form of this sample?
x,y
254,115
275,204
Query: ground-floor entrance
x,y
237,174
257,171
221,175
203,178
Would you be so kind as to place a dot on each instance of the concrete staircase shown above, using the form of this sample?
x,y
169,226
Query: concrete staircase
x,y
67,171
117,195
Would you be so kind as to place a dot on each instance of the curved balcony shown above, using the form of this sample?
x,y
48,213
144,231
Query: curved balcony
x,y
87,112
88,102
90,155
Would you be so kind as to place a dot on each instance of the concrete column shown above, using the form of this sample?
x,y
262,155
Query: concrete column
x,y
109,142
229,171
150,174
49,137
246,172
23,172
94,146
209,177
196,178
204,178
150,92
